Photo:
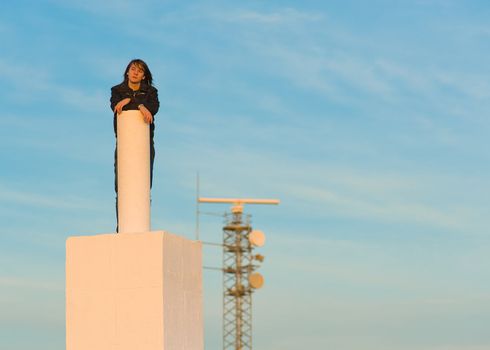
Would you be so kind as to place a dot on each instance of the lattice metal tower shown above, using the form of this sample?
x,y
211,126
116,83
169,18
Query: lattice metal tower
x,y
237,293
239,278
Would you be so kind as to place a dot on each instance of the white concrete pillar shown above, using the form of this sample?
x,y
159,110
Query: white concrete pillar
x,y
133,172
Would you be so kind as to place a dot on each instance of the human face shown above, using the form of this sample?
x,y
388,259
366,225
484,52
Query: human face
x,y
135,74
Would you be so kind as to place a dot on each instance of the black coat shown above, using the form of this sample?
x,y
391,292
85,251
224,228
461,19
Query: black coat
x,y
147,95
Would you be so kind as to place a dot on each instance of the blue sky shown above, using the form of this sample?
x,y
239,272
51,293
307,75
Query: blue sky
x,y
368,119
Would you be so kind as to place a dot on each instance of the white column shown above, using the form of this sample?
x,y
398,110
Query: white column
x,y
133,172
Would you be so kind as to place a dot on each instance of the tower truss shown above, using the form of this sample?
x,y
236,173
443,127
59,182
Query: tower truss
x,y
239,278
237,292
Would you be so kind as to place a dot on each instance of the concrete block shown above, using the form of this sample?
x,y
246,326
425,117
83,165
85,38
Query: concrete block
x,y
134,291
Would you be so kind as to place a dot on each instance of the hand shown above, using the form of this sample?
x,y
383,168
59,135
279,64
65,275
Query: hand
x,y
121,104
146,114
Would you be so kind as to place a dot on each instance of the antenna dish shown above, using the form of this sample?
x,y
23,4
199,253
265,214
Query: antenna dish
x,y
256,280
257,238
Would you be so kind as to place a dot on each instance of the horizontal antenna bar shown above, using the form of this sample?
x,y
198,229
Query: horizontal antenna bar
x,y
212,268
211,243
238,201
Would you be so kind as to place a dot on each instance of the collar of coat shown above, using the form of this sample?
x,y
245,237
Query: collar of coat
x,y
125,87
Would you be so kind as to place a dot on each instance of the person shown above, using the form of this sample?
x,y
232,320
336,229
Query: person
x,y
136,92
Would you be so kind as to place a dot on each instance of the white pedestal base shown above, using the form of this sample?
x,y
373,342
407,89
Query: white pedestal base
x,y
130,291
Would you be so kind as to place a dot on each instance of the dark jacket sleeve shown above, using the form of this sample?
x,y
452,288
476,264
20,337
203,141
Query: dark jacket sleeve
x,y
152,102
149,100
115,97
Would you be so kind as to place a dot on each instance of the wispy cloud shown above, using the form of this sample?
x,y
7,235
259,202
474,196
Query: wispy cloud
x,y
118,8
36,84
242,15
31,284
351,192
333,72
377,208
9,196
280,16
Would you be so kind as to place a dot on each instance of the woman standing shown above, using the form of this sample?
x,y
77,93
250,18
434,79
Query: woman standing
x,y
136,92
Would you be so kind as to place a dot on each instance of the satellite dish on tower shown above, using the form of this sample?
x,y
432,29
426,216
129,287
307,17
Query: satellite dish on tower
x,y
257,238
256,280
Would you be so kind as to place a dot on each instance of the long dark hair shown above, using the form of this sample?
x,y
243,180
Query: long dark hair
x,y
140,64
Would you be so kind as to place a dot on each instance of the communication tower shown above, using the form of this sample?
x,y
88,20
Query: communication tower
x,y
239,276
